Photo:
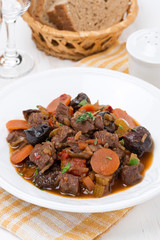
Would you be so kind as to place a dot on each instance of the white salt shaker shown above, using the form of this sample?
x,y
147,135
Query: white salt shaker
x,y
143,47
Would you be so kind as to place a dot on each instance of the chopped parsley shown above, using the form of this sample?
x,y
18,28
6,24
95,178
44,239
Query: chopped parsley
x,y
36,173
47,139
20,173
122,142
37,106
60,124
65,169
84,102
133,161
85,117
133,129
120,126
109,158
95,142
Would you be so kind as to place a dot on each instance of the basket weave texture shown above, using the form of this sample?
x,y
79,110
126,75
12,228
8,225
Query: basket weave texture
x,y
77,45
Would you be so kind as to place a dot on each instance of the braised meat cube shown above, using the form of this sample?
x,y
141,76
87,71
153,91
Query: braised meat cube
x,y
75,103
43,155
131,175
69,184
106,137
63,133
120,153
138,140
62,113
49,179
37,118
74,146
27,113
84,126
17,138
98,122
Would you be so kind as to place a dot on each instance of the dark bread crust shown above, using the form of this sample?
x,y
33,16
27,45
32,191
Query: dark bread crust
x,y
66,23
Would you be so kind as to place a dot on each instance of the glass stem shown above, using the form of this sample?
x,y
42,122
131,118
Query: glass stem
x,y
10,51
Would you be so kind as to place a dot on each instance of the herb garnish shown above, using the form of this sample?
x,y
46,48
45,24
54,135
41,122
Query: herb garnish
x,y
20,173
133,129
60,124
85,117
95,142
65,169
133,161
84,102
109,158
122,142
36,173
37,106
120,126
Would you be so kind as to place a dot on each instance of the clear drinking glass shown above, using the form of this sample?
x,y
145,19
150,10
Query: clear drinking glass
x,y
14,64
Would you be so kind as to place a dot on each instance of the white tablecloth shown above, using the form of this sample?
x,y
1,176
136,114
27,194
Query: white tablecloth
x,y
143,222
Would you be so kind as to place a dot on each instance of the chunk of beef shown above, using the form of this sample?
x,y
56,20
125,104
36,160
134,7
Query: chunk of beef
x,y
85,126
75,103
63,133
17,139
120,153
130,175
138,141
74,145
106,137
43,155
69,184
98,122
37,118
62,112
27,113
49,179
140,167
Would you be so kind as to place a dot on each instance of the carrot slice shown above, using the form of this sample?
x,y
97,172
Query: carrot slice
x,y
87,181
119,113
17,124
20,154
87,108
105,162
94,141
64,98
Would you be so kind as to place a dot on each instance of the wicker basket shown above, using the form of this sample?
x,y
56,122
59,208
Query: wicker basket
x,y
77,45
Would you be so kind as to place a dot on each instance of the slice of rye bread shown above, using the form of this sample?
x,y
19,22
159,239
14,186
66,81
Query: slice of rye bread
x,y
53,16
40,13
87,15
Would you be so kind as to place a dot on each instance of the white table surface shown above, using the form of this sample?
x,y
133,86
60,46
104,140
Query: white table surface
x,y
143,222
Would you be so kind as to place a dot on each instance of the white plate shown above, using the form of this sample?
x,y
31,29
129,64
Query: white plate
x,y
140,99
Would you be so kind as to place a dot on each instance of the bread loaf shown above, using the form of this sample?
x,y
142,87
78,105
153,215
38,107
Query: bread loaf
x,y
40,12
79,15
86,15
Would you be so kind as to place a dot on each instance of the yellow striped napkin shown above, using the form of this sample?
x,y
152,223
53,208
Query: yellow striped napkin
x,y
114,58
30,222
